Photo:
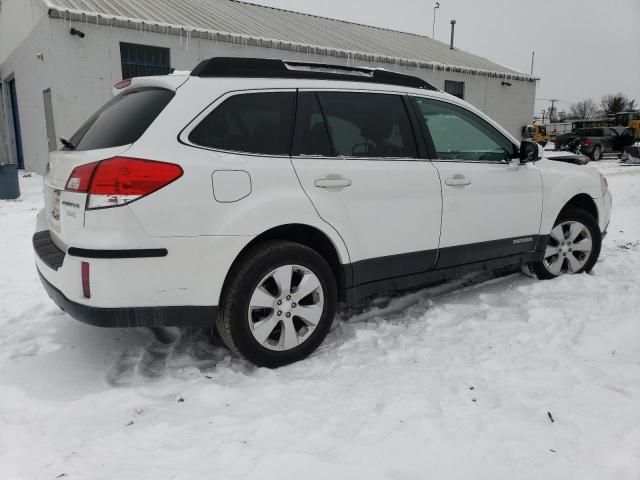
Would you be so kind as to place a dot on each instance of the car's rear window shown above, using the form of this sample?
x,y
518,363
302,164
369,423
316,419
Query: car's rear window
x,y
590,132
122,120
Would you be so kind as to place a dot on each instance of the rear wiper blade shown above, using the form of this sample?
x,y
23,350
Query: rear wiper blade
x,y
67,143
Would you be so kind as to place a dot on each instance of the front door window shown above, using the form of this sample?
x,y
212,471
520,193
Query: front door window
x,y
458,134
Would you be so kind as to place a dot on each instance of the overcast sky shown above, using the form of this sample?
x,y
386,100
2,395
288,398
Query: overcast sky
x,y
584,48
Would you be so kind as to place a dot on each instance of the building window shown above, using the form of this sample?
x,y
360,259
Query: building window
x,y
454,88
143,60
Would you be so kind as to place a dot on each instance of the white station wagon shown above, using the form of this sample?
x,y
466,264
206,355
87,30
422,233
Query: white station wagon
x,y
252,196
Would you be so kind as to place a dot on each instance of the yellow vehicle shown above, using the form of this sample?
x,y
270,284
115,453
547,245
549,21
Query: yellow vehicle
x,y
535,132
629,119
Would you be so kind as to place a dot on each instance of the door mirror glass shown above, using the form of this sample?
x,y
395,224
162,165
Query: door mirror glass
x,y
529,151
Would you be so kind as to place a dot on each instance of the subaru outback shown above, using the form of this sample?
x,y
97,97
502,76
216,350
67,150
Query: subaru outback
x,y
253,196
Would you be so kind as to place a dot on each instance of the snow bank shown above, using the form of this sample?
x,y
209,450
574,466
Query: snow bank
x,y
481,378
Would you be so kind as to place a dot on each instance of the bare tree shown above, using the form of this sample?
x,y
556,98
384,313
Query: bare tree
x,y
632,106
586,108
612,104
562,116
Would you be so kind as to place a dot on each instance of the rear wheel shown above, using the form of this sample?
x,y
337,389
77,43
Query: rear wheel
x,y
279,304
596,154
572,247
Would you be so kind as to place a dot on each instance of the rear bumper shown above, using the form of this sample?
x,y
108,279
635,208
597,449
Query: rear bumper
x,y
175,316
168,281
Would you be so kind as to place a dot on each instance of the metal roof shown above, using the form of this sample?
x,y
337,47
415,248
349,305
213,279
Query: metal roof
x,y
250,24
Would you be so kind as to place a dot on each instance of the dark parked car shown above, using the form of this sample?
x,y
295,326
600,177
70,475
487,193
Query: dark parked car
x,y
598,140
564,139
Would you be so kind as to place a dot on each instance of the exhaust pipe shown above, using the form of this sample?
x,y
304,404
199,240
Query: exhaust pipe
x,y
453,29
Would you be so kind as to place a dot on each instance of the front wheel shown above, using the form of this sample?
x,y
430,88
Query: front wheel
x,y
278,305
572,247
596,154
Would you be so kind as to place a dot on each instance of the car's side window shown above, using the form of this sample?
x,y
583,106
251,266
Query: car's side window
x,y
459,134
258,123
369,125
311,136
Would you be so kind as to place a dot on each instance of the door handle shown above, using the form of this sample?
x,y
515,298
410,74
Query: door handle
x,y
458,180
332,182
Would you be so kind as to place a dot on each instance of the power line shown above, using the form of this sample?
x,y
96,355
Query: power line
x,y
550,99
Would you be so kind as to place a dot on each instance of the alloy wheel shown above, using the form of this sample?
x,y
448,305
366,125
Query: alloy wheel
x,y
286,307
569,248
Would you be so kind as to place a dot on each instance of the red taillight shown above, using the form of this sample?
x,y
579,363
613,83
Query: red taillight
x,y
586,141
120,180
86,287
80,178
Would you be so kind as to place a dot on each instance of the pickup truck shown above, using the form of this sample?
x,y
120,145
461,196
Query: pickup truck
x,y
596,141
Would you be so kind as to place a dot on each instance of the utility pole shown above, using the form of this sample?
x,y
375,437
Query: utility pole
x,y
544,112
551,115
533,56
552,108
433,30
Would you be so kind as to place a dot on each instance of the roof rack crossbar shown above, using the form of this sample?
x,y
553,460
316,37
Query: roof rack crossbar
x,y
276,68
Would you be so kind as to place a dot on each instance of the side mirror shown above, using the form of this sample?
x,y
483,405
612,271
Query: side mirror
x,y
529,151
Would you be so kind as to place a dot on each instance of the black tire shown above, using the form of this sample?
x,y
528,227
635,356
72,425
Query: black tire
x,y
233,321
596,154
577,215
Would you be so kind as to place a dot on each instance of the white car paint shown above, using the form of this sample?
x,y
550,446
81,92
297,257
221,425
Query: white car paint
x,y
499,201
230,185
391,207
399,200
562,181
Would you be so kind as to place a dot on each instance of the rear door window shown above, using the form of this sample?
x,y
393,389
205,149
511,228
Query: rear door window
x,y
590,132
122,120
369,125
259,123
311,134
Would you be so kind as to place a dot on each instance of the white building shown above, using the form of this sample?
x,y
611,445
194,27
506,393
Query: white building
x,y
60,58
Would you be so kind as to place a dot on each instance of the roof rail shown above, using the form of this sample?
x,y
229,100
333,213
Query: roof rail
x,y
274,68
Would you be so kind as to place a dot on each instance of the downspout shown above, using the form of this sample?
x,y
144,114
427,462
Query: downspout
x,y
4,127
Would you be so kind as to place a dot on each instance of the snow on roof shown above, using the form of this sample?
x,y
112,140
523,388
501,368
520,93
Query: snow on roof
x,y
257,25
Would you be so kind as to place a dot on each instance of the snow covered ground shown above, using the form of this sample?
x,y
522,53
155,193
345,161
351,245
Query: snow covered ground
x,y
504,378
